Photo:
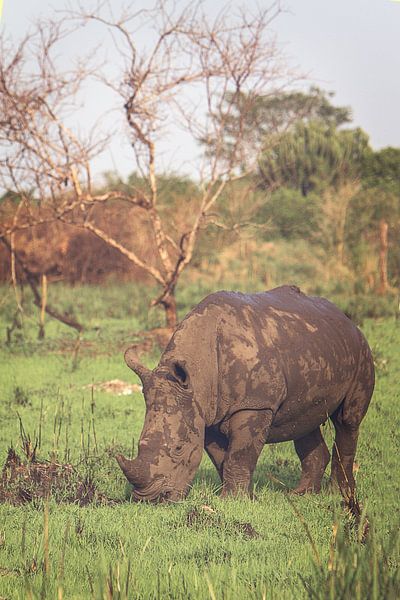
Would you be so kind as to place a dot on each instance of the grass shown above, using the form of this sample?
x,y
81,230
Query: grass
x,y
274,546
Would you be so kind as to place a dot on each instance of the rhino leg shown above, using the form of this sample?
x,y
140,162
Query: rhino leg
x,y
247,434
347,419
343,453
314,456
216,445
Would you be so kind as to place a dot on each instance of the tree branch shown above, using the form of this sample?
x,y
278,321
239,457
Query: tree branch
x,y
155,273
62,317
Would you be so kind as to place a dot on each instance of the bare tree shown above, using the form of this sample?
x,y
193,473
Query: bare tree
x,y
189,73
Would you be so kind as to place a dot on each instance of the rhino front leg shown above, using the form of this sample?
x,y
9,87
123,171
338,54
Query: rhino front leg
x,y
247,433
314,456
216,445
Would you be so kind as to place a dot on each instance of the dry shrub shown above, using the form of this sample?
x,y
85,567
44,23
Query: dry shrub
x,y
32,480
67,252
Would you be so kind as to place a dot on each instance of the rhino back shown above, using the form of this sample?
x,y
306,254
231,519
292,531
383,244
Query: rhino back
x,y
283,350
294,354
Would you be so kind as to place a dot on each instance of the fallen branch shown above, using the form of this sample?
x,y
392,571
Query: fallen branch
x,y
30,278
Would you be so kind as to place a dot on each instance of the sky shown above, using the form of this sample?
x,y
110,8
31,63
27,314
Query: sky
x,y
350,47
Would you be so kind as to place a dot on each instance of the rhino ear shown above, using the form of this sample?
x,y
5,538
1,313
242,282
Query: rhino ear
x,y
132,362
180,374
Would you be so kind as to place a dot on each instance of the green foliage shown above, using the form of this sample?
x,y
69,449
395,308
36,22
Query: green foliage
x,y
382,169
172,189
368,306
260,117
378,200
380,194
312,156
291,214
307,150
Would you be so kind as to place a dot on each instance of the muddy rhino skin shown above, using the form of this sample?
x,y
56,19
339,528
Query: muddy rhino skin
x,y
242,370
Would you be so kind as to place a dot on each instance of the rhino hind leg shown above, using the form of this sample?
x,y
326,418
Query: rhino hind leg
x,y
314,457
347,424
343,453
346,420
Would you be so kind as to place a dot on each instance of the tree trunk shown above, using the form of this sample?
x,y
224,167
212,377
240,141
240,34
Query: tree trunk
x,y
169,304
41,333
383,256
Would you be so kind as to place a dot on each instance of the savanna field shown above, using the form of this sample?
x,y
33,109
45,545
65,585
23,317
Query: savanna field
x,y
85,539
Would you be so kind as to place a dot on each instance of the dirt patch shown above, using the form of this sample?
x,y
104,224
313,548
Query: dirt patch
x,y
23,482
205,516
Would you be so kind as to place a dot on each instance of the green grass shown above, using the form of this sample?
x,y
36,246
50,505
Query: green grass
x,y
129,550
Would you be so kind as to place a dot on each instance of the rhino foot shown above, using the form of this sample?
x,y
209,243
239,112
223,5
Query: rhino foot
x,y
301,490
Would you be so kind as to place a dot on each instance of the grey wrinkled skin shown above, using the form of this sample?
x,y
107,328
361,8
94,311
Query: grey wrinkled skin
x,y
243,370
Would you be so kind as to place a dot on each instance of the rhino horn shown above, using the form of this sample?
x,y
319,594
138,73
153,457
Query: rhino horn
x,y
132,362
130,468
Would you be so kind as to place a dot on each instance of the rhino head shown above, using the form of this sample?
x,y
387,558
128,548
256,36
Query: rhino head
x,y
172,439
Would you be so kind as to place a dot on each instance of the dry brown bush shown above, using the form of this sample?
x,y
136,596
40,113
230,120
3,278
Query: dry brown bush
x,y
69,253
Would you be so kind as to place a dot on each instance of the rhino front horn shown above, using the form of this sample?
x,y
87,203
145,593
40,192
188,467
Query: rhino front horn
x,y
128,468
132,362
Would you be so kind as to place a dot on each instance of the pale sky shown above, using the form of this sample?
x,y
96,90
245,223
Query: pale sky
x,y
350,47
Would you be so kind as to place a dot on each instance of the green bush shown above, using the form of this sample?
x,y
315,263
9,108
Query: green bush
x,y
361,307
291,214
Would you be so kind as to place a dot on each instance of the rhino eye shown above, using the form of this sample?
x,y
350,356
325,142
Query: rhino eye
x,y
180,373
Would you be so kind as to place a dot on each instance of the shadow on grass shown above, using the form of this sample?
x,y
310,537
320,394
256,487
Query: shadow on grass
x,y
274,477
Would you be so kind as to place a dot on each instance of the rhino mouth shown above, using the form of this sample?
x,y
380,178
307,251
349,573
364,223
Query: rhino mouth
x,y
159,490
155,491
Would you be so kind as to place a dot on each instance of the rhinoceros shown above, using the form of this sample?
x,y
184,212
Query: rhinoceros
x,y
244,370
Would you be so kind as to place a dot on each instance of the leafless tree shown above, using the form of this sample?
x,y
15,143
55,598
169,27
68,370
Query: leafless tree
x,y
188,73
